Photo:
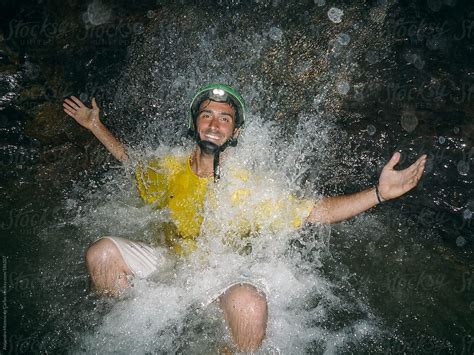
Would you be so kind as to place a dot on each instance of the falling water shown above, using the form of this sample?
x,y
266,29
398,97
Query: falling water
x,y
320,122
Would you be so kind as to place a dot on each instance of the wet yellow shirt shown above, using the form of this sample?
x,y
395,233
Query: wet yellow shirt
x,y
169,182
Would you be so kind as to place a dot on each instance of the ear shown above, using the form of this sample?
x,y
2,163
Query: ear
x,y
236,133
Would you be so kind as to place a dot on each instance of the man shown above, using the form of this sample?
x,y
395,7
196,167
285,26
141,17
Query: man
x,y
216,116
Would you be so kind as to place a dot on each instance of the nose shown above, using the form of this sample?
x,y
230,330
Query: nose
x,y
214,123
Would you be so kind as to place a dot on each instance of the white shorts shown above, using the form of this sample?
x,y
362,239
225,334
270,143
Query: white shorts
x,y
140,258
143,260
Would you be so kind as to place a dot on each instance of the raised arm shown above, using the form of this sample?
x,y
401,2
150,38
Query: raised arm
x,y
392,184
89,118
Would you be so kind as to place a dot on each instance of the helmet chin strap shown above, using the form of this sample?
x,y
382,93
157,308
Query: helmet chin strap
x,y
211,148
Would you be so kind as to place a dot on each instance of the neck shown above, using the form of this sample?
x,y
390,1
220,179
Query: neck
x,y
202,164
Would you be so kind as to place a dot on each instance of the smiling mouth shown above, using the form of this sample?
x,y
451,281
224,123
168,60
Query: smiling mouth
x,y
212,137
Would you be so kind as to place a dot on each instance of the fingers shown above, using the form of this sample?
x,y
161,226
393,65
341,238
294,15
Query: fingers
x,y
70,105
415,171
420,166
393,161
421,160
74,104
77,101
417,165
69,110
70,113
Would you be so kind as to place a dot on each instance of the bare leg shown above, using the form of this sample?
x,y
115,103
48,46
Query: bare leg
x,y
246,314
106,267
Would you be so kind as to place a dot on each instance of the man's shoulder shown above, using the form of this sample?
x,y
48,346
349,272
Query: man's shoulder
x,y
239,173
171,161
166,161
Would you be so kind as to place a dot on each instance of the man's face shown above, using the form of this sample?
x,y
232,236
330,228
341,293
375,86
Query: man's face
x,y
215,122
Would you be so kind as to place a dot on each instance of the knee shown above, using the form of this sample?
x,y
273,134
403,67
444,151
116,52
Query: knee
x,y
102,251
248,301
246,313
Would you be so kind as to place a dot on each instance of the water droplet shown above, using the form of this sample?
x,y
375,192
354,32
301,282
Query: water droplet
x,y
139,28
409,121
371,130
434,5
415,59
343,87
460,241
467,214
372,57
336,47
463,167
98,13
359,96
456,130
441,140
275,33
344,39
335,14
419,63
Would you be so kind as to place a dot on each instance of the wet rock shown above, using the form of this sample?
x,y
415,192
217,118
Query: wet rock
x,y
50,125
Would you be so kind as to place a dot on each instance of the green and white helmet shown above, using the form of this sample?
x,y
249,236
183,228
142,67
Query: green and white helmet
x,y
219,93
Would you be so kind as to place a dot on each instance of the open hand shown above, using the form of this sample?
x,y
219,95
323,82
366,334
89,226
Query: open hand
x,y
394,183
85,116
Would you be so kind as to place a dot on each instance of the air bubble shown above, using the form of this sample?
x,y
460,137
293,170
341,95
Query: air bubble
x,y
441,140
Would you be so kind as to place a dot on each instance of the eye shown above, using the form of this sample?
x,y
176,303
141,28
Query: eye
x,y
205,115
